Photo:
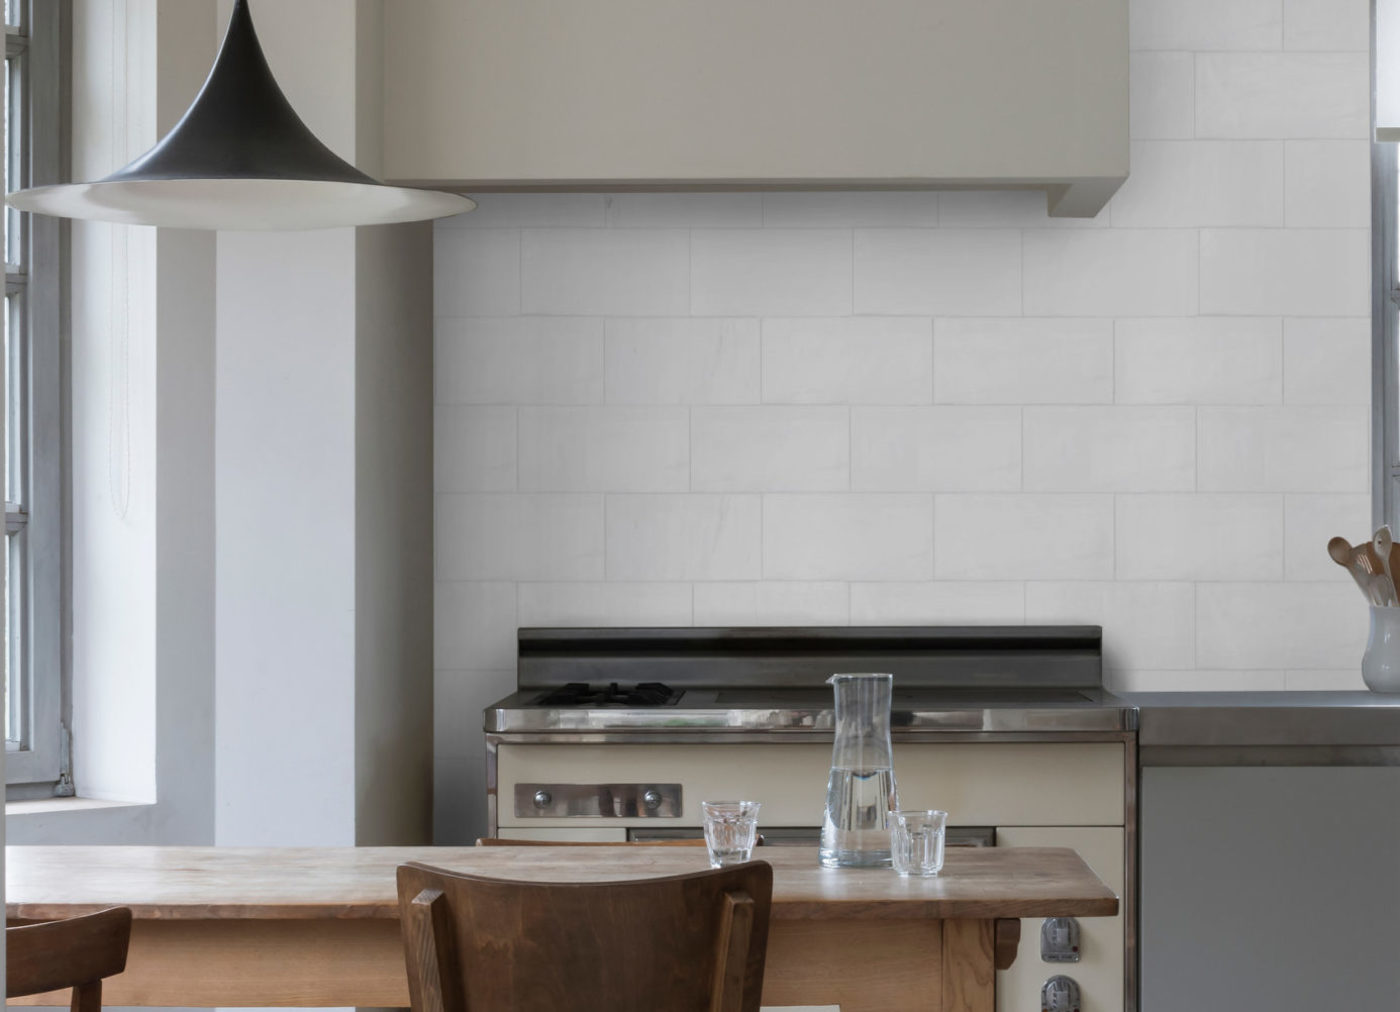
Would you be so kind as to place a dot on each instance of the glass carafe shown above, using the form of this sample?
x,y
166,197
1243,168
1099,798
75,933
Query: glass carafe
x,y
861,792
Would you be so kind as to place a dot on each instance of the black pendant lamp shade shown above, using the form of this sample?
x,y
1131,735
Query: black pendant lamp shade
x,y
240,158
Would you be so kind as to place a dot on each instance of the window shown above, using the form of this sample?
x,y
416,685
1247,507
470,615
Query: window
x,y
33,399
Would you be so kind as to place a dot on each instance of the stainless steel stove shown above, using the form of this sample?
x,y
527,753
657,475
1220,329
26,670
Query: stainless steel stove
x,y
618,734
678,681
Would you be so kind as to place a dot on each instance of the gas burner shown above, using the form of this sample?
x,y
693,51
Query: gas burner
x,y
583,694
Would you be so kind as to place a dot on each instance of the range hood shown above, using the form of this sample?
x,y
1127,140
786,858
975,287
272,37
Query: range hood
x,y
487,95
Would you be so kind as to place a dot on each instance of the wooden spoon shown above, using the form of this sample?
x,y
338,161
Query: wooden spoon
x,y
1383,544
1345,556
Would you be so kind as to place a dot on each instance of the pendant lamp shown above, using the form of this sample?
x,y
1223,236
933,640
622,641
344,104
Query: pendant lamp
x,y
240,158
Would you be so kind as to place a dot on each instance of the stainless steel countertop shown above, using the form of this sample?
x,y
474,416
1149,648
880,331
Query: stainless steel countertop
x,y
1265,718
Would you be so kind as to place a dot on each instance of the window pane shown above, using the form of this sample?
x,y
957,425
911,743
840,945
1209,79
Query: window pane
x,y
14,628
16,407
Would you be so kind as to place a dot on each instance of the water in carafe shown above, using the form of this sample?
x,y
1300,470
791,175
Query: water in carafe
x,y
861,790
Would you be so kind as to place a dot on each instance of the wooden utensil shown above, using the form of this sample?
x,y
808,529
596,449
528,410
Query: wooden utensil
x,y
1355,562
1383,544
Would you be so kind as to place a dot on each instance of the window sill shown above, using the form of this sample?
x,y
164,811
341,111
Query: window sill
x,y
54,806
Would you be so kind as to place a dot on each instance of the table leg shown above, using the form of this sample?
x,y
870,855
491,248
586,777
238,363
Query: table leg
x,y
864,965
969,974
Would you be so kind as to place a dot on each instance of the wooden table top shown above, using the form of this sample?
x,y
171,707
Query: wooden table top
x,y
210,883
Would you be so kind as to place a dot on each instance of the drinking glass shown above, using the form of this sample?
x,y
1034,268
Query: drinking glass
x,y
916,841
731,828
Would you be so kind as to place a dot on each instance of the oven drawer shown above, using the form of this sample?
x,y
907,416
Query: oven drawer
x,y
810,836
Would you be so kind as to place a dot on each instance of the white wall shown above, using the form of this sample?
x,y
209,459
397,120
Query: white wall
x,y
930,408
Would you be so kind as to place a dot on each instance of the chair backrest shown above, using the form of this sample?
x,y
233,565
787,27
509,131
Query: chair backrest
x,y
77,953
684,943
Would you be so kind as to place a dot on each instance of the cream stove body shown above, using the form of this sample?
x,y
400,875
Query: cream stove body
x,y
1008,729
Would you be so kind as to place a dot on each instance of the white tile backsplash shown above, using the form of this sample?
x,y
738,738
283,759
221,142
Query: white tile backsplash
x,y
1282,95
859,536
936,449
770,272
1023,361
770,449
1111,449
848,360
1199,360
684,537
939,272
605,272
937,407
682,361
1206,24
604,449
1023,537
1185,184
1285,271
1110,272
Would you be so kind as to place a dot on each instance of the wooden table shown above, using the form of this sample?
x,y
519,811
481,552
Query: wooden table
x,y
223,926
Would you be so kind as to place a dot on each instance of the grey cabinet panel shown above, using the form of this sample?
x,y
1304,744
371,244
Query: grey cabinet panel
x,y
1270,888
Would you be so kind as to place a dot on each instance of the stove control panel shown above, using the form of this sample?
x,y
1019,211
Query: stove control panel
x,y
594,801
1059,940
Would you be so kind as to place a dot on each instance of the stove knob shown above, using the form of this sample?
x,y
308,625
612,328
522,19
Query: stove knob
x,y
542,799
652,799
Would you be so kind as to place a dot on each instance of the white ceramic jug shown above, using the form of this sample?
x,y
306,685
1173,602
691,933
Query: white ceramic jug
x,y
1380,667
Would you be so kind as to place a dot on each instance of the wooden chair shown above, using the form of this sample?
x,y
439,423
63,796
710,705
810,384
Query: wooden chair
x,y
77,953
684,943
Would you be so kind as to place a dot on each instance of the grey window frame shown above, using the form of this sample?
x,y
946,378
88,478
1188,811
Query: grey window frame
x,y
35,755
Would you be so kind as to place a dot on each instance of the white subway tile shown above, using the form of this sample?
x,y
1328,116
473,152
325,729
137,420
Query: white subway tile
x,y
848,360
1197,681
604,449
942,449
1284,95
1199,360
682,361
1162,96
872,209
1310,521
1110,272
770,449
1343,680
474,625
519,360
795,603
684,537
684,210
1005,209
1287,272
1023,537
605,272
1109,449
1317,25
1287,449
1185,184
459,697
770,272
948,272
1145,625
531,210
1328,184
945,603
1200,537
473,448
847,537
1022,361
476,272
519,537
1327,361
1279,625
1206,24
605,604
